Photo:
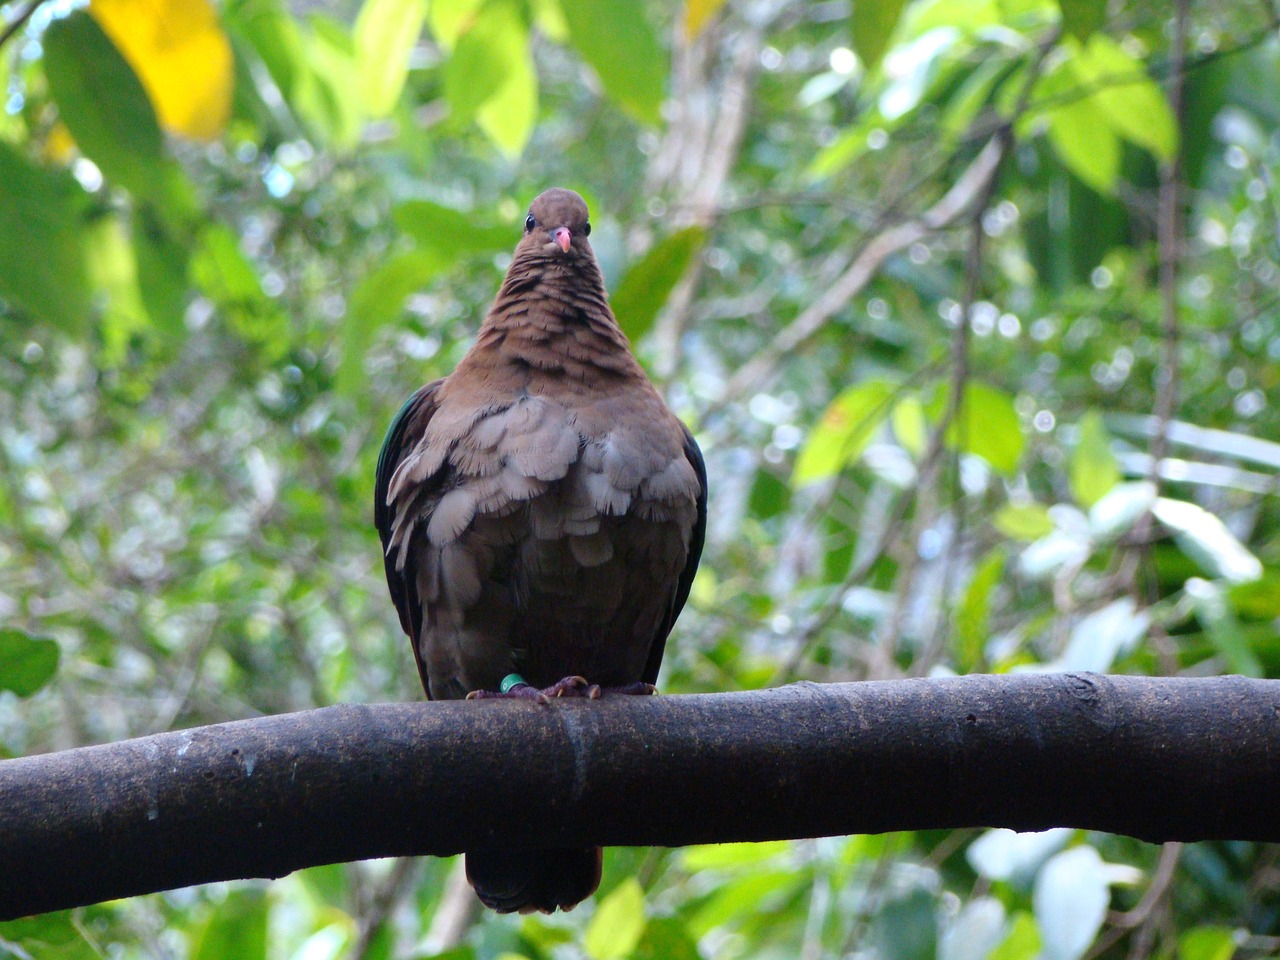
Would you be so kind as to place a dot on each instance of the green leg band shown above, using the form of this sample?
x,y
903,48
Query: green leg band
x,y
511,680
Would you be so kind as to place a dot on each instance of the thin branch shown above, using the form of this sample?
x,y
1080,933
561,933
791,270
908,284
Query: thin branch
x,y
374,915
889,533
862,269
931,461
1168,759
1169,241
972,184
1170,853
18,22
455,914
1139,917
926,512
1169,230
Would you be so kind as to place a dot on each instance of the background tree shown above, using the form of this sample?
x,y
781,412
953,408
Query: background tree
x,y
972,304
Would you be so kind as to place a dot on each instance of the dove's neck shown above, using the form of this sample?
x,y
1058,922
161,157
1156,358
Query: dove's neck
x,y
553,315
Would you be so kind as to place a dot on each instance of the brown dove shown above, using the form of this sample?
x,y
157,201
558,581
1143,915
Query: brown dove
x,y
542,513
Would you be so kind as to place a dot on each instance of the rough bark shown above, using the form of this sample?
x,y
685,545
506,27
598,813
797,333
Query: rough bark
x,y
1158,759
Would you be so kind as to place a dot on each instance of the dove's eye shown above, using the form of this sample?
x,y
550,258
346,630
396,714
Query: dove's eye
x,y
586,229
529,223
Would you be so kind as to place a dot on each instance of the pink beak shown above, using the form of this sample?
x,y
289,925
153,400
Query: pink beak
x,y
562,236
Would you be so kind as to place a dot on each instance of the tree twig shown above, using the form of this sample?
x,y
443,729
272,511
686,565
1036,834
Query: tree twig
x,y
926,512
968,187
18,22
930,462
1169,240
456,912
1169,243
374,914
862,269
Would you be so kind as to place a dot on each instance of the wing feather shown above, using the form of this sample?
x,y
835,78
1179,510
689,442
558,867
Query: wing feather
x,y
694,455
390,510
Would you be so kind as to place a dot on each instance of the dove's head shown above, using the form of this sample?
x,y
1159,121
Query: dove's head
x,y
557,224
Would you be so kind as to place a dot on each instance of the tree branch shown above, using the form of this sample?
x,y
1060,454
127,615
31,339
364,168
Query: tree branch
x,y
19,21
1155,758
879,248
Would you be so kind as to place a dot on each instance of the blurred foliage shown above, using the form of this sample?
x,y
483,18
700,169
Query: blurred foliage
x,y
234,238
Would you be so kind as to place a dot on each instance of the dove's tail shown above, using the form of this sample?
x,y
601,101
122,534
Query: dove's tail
x,y
529,880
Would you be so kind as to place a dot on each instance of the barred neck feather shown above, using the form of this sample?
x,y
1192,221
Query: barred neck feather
x,y
552,314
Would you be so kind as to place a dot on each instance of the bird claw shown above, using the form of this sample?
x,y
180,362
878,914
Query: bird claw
x,y
567,687
573,686
521,691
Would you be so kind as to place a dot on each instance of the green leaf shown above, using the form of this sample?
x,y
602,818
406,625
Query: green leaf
x,y
113,267
769,495
666,938
377,301
1094,469
1023,521
275,37
616,39
618,923
316,70
1070,901
103,103
975,931
738,899
1052,554
481,60
448,21
873,25
42,257
1257,599
490,77
337,103
844,431
1207,943
1080,18
27,663
385,33
1117,510
236,928
732,856
50,936
838,154
1132,103
975,609
162,273
220,269
1084,142
1205,539
918,64
647,284
906,928
987,425
1022,942
1104,636
909,425
1002,854
1209,601
453,233
973,94
507,118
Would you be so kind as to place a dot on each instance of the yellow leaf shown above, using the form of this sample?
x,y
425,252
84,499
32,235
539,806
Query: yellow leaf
x,y
697,14
180,53
59,145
